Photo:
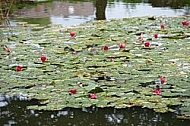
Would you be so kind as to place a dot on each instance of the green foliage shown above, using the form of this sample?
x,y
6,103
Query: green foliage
x,y
120,78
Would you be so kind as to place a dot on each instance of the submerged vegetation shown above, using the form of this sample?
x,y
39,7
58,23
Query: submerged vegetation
x,y
117,63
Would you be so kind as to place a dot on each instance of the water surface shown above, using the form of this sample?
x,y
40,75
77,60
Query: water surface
x,y
69,13
15,113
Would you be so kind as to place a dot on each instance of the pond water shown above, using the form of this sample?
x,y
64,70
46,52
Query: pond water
x,y
69,13
15,113
13,110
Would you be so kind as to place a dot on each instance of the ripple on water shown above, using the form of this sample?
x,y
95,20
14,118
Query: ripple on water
x,y
3,103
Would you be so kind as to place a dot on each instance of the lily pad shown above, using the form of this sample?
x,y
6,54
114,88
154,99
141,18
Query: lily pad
x,y
119,77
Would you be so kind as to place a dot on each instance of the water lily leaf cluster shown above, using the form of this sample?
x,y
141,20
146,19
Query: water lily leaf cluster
x,y
117,77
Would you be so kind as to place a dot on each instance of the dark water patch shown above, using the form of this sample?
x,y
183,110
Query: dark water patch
x,y
15,113
146,70
147,83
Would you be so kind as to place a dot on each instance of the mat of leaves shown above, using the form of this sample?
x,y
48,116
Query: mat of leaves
x,y
118,77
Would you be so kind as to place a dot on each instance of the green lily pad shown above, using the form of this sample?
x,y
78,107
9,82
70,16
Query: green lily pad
x,y
119,77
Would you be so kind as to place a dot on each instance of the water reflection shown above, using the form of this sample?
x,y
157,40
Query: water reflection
x,y
15,113
100,9
174,4
69,13
57,12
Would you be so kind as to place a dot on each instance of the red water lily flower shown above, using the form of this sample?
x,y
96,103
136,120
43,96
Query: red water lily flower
x,y
162,80
73,91
105,48
185,23
147,44
155,35
93,96
72,34
43,58
121,45
19,68
162,26
157,92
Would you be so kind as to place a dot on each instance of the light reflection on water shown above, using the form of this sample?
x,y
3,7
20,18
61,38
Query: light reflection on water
x,y
124,10
15,113
72,20
68,14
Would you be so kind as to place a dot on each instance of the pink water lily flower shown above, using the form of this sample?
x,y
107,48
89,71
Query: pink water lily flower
x,y
121,45
93,96
162,80
157,92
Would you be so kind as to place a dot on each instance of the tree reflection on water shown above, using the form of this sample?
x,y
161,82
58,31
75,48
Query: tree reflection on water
x,y
173,4
75,12
100,9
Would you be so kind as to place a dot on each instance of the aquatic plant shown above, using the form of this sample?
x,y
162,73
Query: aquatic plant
x,y
93,63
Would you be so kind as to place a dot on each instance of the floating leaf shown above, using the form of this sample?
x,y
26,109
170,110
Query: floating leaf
x,y
80,63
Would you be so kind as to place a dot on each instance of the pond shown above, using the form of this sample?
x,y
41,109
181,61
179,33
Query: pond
x,y
76,12
32,40
15,113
